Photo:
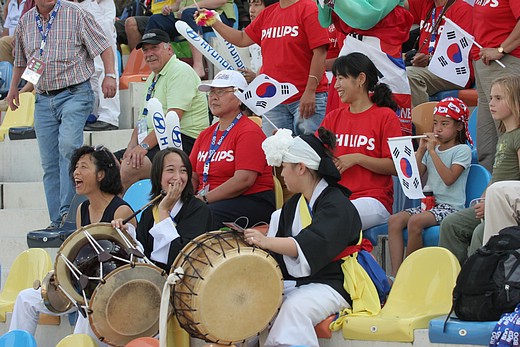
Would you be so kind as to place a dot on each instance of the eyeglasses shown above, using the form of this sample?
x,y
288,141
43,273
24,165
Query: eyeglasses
x,y
220,92
108,154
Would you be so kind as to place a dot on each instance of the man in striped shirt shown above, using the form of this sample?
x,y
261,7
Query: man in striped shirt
x,y
55,46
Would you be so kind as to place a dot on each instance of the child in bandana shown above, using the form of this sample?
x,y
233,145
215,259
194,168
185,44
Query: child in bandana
x,y
445,157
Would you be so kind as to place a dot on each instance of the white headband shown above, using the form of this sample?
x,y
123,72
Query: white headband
x,y
282,147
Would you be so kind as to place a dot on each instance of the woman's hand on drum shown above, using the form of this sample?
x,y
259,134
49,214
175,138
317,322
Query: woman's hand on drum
x,y
118,224
173,195
254,237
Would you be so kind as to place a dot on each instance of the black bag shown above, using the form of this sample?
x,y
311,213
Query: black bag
x,y
488,284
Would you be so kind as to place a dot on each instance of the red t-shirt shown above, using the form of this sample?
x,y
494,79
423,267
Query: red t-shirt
x,y
287,37
459,12
366,133
392,31
493,22
240,150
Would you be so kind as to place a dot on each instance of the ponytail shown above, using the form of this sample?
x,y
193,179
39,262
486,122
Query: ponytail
x,y
383,96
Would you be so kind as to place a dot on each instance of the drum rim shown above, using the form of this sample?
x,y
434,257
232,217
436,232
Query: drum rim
x,y
67,248
187,252
45,287
107,279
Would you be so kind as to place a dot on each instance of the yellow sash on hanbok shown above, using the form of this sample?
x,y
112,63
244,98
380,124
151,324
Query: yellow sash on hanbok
x,y
362,291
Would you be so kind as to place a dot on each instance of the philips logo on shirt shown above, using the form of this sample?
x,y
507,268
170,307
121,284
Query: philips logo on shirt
x,y
277,32
219,156
491,3
354,141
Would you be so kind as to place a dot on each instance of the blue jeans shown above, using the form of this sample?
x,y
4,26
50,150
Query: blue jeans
x,y
59,120
287,116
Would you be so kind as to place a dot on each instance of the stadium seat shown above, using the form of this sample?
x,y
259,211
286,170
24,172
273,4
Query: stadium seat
x,y
138,195
23,116
278,192
422,290
460,332
77,340
17,338
136,69
469,96
478,179
30,265
143,342
472,127
422,117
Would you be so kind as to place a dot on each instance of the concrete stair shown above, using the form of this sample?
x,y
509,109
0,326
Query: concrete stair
x,y
22,199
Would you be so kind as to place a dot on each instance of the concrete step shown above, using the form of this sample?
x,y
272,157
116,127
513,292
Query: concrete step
x,y
21,195
21,158
15,223
46,335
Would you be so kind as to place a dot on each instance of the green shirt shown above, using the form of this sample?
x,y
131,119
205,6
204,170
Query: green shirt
x,y
177,87
506,158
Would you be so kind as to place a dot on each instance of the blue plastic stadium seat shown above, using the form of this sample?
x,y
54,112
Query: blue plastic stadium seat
x,y
460,332
372,233
478,179
444,94
17,338
138,195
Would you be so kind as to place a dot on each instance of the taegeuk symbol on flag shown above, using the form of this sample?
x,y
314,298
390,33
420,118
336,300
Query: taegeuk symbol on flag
x,y
404,160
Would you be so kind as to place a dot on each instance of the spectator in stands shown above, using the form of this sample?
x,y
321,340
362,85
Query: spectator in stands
x,y
378,31
95,173
462,232
297,57
496,27
502,208
445,158
429,15
174,84
307,236
255,8
362,129
105,109
228,172
169,224
60,68
185,9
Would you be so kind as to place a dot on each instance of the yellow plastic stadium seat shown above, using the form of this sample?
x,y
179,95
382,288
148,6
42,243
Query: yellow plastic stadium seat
x,y
257,120
422,117
278,192
77,340
29,266
422,291
22,117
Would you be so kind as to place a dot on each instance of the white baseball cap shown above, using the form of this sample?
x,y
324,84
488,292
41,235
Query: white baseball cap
x,y
225,78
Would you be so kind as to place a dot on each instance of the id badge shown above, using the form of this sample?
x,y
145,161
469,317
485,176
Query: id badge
x,y
142,130
33,71
204,190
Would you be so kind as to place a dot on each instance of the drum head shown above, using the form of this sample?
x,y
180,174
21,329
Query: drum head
x,y
127,305
77,242
53,297
230,291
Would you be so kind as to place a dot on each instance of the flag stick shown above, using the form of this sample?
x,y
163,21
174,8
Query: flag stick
x,y
270,122
407,137
197,5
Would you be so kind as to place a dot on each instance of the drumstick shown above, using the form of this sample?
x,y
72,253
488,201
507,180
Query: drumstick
x,y
126,220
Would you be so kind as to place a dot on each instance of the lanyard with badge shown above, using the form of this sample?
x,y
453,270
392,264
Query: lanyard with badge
x,y
35,67
142,127
213,147
433,37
